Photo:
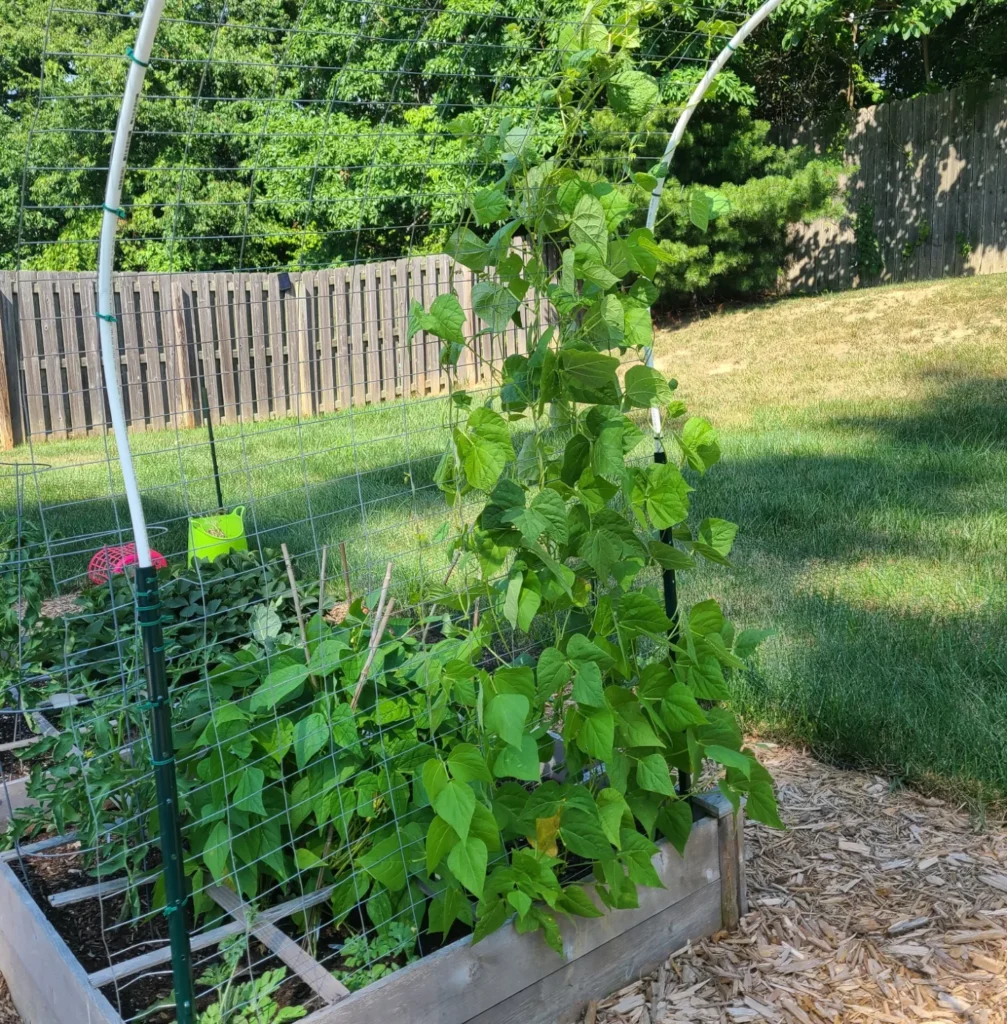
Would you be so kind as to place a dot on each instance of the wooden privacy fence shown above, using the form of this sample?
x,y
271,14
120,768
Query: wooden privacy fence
x,y
264,345
934,172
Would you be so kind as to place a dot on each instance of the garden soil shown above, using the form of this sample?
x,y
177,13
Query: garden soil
x,y
877,905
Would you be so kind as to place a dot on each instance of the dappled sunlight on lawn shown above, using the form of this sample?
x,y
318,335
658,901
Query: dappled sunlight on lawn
x,y
865,461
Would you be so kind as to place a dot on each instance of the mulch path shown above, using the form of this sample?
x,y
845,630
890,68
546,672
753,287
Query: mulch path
x,y
875,905
8,1015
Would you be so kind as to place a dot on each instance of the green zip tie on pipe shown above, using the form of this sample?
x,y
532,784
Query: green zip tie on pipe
x,y
136,60
161,764
109,318
117,210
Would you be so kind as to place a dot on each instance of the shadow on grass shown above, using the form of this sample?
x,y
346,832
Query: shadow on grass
x,y
914,695
966,409
882,566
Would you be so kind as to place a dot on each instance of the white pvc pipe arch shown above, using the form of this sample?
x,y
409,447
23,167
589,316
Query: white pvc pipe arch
x,y
676,137
139,56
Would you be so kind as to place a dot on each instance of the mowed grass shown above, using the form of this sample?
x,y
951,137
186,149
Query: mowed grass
x,y
865,459
363,477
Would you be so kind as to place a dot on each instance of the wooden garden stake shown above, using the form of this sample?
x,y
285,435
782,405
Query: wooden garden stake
x,y
310,971
18,744
346,572
295,596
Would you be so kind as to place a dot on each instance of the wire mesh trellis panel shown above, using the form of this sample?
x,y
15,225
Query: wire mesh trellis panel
x,y
306,185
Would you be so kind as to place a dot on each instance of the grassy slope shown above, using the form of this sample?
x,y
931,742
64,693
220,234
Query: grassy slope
x,y
864,458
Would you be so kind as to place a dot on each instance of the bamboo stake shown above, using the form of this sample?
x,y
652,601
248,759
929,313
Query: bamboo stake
x,y
346,572
295,596
384,592
376,637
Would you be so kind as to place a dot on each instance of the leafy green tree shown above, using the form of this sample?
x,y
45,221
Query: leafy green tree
x,y
277,136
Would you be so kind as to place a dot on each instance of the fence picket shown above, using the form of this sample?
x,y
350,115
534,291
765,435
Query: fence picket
x,y
181,398
92,352
71,355
356,323
386,303
149,324
53,363
417,344
31,351
243,387
371,340
300,323
403,355
341,320
436,378
207,379
11,422
225,351
1000,207
276,348
326,344
257,309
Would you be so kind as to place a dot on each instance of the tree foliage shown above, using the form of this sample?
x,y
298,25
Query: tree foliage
x,y
273,135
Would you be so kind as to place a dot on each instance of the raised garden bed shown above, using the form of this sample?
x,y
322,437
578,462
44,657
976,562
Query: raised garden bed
x,y
15,735
505,979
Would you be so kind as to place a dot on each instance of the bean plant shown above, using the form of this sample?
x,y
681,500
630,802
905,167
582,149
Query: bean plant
x,y
472,762
566,539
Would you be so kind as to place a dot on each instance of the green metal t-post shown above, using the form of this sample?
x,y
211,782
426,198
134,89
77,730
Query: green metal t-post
x,y
163,759
670,585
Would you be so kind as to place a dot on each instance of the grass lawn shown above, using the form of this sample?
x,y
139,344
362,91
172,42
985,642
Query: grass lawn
x,y
864,458
363,477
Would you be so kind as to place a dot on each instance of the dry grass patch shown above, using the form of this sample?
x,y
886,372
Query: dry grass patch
x,y
804,351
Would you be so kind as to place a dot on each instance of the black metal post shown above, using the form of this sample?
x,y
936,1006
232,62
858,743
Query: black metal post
x,y
213,443
670,586
163,760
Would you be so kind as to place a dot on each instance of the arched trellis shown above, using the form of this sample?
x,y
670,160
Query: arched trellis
x,y
140,56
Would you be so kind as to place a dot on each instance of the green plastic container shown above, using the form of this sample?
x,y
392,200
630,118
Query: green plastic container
x,y
213,536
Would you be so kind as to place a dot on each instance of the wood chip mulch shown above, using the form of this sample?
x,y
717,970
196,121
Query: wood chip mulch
x,y
874,906
8,1015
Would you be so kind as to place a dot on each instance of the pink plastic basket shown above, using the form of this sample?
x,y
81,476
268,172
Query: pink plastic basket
x,y
112,561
